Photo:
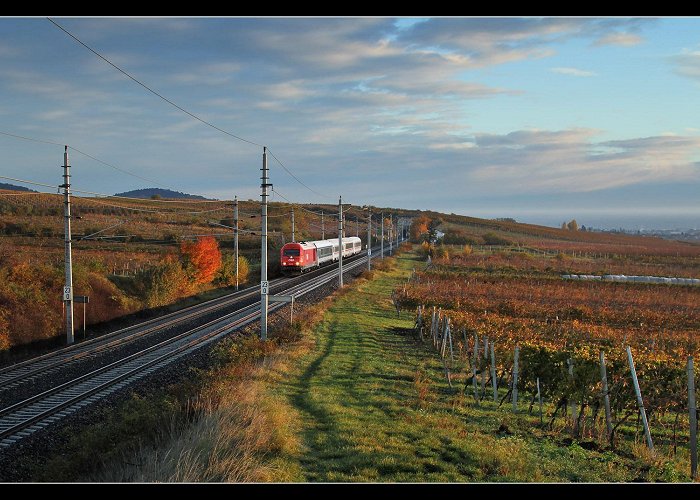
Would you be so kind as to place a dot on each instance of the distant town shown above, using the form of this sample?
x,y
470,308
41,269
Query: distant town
x,y
671,234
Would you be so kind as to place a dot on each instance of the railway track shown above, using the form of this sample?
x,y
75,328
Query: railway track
x,y
25,372
34,413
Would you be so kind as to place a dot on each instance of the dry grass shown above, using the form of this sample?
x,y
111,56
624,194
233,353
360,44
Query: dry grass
x,y
236,429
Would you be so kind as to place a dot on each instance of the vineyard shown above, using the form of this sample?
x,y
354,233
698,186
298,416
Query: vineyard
x,y
506,323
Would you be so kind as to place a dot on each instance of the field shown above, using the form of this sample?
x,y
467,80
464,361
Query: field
x,y
355,395
514,295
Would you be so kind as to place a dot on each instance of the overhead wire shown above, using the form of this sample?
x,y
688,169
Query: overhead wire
x,y
292,203
125,73
295,177
189,113
135,209
30,139
43,141
32,183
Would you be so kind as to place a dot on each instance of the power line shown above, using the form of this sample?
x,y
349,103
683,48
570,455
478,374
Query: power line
x,y
54,186
292,203
149,88
30,139
134,209
125,73
119,169
295,177
43,141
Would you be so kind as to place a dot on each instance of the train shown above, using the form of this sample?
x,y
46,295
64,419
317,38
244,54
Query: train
x,y
300,256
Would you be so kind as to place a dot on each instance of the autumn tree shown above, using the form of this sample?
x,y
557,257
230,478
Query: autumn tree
x,y
202,258
419,226
570,226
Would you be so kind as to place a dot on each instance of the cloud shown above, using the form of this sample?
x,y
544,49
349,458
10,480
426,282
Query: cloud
x,y
687,63
489,41
568,161
573,72
622,39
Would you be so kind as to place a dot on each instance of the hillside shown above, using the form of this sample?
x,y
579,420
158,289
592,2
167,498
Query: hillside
x,y
12,187
149,193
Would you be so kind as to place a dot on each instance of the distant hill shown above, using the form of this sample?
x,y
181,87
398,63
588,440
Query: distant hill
x,y
12,187
148,193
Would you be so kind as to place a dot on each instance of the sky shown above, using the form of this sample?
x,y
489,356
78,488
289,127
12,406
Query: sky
x,y
541,119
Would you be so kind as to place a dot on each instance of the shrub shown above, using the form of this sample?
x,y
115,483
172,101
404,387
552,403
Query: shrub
x,y
227,272
163,283
494,239
441,252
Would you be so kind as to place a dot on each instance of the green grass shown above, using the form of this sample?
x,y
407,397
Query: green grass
x,y
371,404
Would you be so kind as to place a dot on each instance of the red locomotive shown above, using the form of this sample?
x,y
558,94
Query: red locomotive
x,y
303,255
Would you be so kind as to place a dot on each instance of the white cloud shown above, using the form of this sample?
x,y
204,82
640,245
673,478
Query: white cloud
x,y
688,63
623,39
541,161
573,72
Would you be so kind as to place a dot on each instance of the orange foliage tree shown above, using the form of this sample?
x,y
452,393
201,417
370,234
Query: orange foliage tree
x,y
203,258
419,226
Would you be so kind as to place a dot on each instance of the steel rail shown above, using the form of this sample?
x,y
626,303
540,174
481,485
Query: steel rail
x,y
23,372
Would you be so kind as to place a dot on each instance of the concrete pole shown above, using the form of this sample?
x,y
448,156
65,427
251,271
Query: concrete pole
x,y
606,395
263,257
640,403
235,235
68,288
692,420
391,239
293,237
369,239
382,235
323,227
340,241
515,379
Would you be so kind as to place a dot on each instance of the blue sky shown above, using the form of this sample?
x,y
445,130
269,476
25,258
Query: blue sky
x,y
540,119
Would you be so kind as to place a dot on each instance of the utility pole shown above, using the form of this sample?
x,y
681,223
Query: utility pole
x,y
235,235
340,241
68,288
323,227
264,284
391,239
369,238
293,238
357,227
382,235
